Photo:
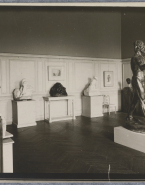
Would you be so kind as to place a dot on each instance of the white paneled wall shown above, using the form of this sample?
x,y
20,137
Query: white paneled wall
x,y
20,69
77,74
83,72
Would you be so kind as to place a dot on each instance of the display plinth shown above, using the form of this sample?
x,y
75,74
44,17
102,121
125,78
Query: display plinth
x,y
129,138
23,113
49,100
7,153
92,106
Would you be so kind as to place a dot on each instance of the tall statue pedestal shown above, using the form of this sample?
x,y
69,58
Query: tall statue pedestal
x,y
92,106
23,113
129,138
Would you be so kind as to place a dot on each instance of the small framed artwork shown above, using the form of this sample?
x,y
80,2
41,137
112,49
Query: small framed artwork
x,y
55,73
108,78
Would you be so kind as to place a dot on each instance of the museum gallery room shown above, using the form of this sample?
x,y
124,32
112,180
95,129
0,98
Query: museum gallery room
x,y
64,94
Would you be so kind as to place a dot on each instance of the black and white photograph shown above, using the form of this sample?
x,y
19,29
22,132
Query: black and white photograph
x,y
72,92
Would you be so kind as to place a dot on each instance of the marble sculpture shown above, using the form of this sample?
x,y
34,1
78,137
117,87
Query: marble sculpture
x,y
92,90
24,92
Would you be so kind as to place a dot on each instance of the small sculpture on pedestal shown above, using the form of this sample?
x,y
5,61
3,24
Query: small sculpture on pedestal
x,y
127,94
137,66
58,90
92,90
24,92
128,80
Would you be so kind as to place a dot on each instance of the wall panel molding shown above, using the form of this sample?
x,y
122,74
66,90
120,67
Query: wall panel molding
x,y
56,57
20,69
4,76
39,75
84,71
78,71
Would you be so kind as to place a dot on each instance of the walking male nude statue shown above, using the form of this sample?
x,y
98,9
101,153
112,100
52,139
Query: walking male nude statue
x,y
137,67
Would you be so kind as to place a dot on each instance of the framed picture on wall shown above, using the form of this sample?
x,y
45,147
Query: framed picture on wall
x,y
108,78
55,73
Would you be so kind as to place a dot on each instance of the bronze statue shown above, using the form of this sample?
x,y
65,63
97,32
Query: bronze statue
x,y
128,80
137,67
58,90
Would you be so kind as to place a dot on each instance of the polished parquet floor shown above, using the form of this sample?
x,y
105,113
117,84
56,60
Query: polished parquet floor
x,y
81,146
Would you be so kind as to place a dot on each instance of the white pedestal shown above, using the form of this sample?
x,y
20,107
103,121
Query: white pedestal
x,y
129,138
8,155
23,113
92,106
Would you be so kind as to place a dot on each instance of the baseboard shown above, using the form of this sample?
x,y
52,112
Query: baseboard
x,y
25,125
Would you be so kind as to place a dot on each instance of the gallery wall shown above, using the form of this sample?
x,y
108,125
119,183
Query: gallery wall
x,y
86,42
59,31
78,71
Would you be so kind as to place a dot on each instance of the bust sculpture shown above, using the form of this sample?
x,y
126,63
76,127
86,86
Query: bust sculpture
x,y
137,66
24,92
92,90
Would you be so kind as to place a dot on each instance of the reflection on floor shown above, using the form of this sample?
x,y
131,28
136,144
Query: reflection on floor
x,y
81,146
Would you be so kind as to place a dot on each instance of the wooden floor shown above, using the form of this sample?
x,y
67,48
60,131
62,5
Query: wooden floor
x,y
81,146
